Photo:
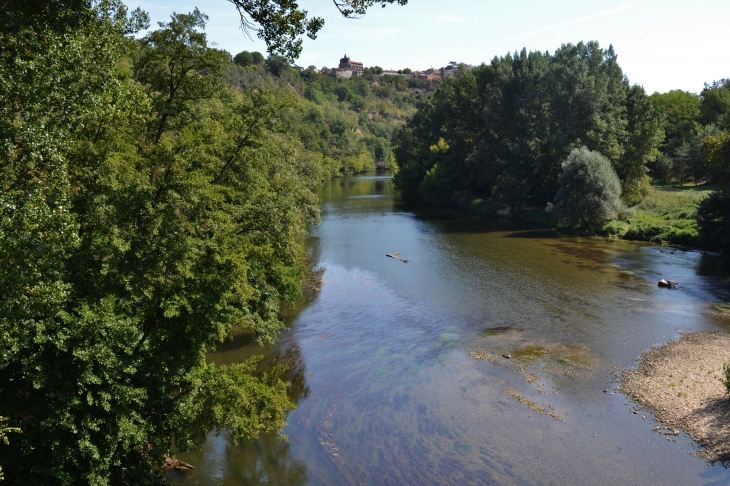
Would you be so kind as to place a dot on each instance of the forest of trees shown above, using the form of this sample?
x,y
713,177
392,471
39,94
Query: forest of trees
x,y
697,151
502,131
154,196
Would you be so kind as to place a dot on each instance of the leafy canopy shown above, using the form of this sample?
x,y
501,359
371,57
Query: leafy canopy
x,y
510,124
590,191
144,213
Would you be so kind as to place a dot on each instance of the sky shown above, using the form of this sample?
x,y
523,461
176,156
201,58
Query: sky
x,y
661,44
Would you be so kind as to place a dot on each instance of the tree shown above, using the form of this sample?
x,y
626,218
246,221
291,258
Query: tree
x,y
136,229
343,93
257,58
243,59
640,143
715,104
590,191
179,68
713,221
681,111
276,64
144,212
716,149
511,123
713,214
682,166
664,168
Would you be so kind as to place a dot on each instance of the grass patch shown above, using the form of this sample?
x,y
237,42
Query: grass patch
x,y
667,214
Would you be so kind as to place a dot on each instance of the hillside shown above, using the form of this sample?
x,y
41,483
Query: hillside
x,y
352,122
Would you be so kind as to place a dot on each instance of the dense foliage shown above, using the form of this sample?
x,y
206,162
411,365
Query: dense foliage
x,y
589,189
507,126
153,197
713,214
352,122
691,122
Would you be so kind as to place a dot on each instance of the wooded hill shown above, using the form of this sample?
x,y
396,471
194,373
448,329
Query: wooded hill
x,y
351,122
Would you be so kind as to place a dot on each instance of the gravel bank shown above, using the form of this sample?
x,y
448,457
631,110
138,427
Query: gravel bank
x,y
681,383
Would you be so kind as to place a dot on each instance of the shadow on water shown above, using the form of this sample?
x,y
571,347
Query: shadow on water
x,y
268,460
265,462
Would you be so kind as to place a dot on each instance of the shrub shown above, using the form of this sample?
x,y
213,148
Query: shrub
x,y
589,189
713,219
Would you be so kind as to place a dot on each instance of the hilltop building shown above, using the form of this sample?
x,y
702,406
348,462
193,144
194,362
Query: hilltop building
x,y
348,68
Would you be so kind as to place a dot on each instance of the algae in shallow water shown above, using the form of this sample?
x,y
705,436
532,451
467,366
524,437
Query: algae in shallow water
x,y
530,353
494,331
725,308
447,337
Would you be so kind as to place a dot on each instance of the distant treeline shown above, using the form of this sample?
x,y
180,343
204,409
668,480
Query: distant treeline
x,y
503,130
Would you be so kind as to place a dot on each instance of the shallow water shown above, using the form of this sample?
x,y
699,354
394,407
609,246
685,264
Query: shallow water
x,y
388,393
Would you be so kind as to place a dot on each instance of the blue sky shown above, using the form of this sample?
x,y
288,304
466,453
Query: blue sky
x,y
661,44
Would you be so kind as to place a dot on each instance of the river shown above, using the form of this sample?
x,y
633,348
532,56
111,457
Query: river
x,y
386,389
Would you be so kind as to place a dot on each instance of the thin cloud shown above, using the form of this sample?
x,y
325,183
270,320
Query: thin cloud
x,y
582,19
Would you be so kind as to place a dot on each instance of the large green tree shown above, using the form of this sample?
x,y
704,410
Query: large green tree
x,y
279,23
143,214
681,111
715,104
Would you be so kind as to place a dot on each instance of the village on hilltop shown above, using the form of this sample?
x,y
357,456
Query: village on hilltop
x,y
349,68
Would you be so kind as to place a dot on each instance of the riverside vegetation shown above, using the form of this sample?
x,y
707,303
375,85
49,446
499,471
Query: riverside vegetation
x,y
153,197
495,139
350,122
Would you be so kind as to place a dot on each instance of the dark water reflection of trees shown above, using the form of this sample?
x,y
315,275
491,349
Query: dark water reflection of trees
x,y
268,460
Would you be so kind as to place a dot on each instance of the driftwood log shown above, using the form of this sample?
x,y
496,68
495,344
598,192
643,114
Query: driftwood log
x,y
670,284
396,255
172,463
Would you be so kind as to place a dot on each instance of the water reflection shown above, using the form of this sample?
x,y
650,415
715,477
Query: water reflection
x,y
381,370
265,462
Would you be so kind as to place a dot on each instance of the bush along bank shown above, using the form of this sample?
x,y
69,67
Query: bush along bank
x,y
666,216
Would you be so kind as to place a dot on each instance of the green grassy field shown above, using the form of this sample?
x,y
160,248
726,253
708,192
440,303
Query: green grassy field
x,y
667,214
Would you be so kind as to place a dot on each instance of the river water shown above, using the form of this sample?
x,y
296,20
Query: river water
x,y
386,389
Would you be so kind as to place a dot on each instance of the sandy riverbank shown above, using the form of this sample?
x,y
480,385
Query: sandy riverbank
x,y
682,383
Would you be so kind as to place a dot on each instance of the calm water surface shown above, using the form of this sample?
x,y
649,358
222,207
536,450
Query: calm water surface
x,y
388,394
